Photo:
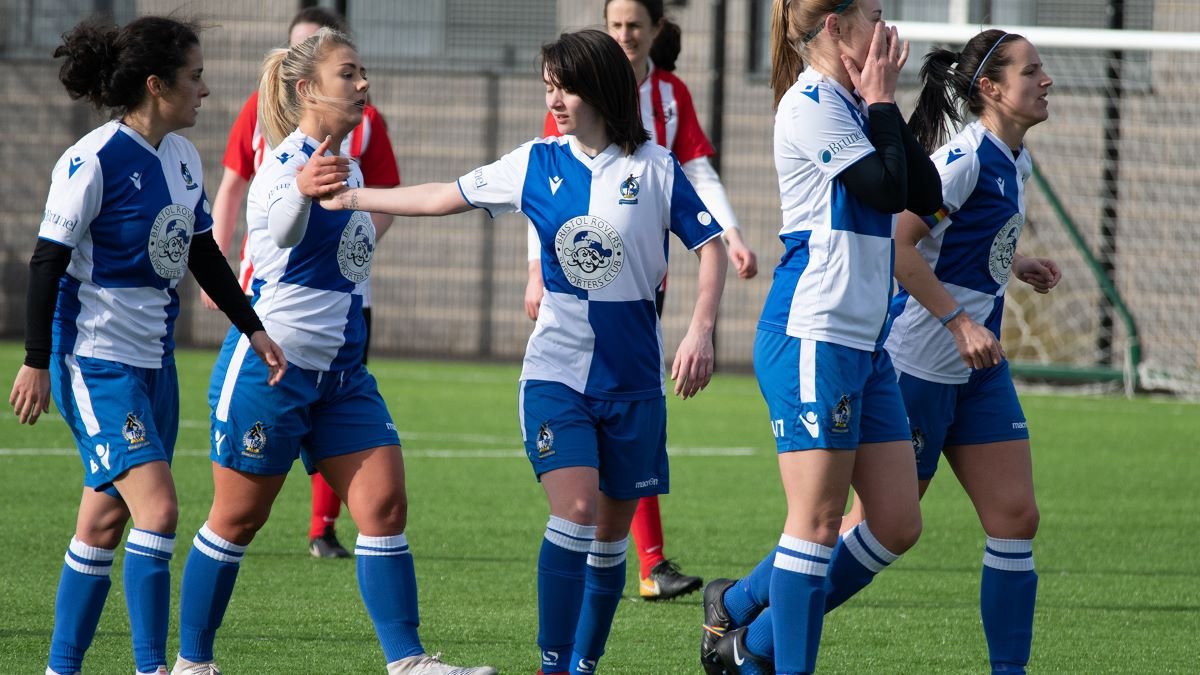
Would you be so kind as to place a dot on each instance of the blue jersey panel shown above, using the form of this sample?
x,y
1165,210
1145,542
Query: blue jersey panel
x,y
172,312
850,214
66,312
351,352
134,192
627,360
314,262
557,188
778,305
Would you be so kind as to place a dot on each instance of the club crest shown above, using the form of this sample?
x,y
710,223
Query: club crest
x,y
629,190
545,441
134,431
254,441
841,414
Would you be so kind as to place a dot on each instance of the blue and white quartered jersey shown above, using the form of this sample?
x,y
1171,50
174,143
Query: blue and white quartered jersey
x,y
602,222
970,247
834,281
129,212
309,296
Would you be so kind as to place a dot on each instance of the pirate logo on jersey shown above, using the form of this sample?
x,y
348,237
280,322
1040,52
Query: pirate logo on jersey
x,y
187,177
134,431
629,190
170,236
254,441
1004,247
590,252
545,441
356,248
841,414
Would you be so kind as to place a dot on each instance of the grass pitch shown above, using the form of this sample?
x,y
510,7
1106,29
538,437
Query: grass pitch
x,y
1117,552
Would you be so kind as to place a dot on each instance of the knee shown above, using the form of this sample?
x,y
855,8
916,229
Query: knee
x,y
382,515
899,535
238,527
1019,522
580,510
161,517
103,532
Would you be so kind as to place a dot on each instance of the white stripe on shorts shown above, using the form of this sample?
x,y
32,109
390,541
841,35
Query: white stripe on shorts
x,y
808,371
521,409
83,399
231,374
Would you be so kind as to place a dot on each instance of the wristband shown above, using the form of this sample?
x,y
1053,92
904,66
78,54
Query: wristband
x,y
951,316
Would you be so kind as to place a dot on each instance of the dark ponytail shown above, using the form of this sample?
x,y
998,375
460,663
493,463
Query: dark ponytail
x,y
108,66
667,45
950,84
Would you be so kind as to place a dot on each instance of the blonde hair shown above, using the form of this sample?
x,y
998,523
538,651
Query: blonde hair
x,y
279,104
795,23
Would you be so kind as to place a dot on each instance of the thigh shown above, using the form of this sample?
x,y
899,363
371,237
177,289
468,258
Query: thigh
x,y
111,414
349,417
371,482
632,437
998,477
816,484
101,519
241,502
557,427
256,428
813,391
885,480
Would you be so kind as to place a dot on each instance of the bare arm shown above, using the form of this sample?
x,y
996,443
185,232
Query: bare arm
x,y
693,364
430,199
977,346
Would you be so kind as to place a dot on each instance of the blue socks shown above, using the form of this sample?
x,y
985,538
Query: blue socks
x,y
797,605
856,560
562,565
751,593
602,592
388,584
1006,599
148,595
82,590
208,579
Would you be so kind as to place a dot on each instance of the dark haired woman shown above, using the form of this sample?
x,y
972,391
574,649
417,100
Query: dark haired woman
x,y
592,395
954,268
126,215
651,41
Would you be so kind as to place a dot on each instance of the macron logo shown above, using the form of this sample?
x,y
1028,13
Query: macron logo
x,y
137,180
1000,182
954,154
76,162
810,423
555,183
219,438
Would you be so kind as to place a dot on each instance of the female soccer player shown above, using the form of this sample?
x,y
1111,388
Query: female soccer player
x,y
125,216
846,163
312,266
954,268
592,397
369,145
651,43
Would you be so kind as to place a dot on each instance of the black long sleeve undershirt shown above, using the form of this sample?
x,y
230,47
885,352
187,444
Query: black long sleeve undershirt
x,y
212,272
49,264
46,268
898,175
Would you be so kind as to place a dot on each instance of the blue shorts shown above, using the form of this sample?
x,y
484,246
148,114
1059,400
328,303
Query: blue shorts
x,y
310,414
121,416
626,441
823,395
983,410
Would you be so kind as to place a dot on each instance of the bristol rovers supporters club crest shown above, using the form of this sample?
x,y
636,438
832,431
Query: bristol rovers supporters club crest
x,y
170,236
356,248
1004,247
545,441
841,414
590,252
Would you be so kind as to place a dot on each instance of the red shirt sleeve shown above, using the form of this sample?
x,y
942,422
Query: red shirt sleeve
x,y
550,127
690,141
378,160
239,150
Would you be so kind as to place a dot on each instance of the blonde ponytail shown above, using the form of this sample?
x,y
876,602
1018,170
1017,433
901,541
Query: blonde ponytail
x,y
786,62
278,110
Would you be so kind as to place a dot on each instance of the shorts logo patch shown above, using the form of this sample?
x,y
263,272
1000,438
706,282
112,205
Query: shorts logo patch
x,y
545,441
254,441
918,441
841,415
134,432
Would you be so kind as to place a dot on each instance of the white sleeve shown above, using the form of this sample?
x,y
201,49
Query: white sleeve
x,y
498,186
827,132
287,212
701,174
76,191
958,167
532,242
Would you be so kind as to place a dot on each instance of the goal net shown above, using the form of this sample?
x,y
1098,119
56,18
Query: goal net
x,y
1115,204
